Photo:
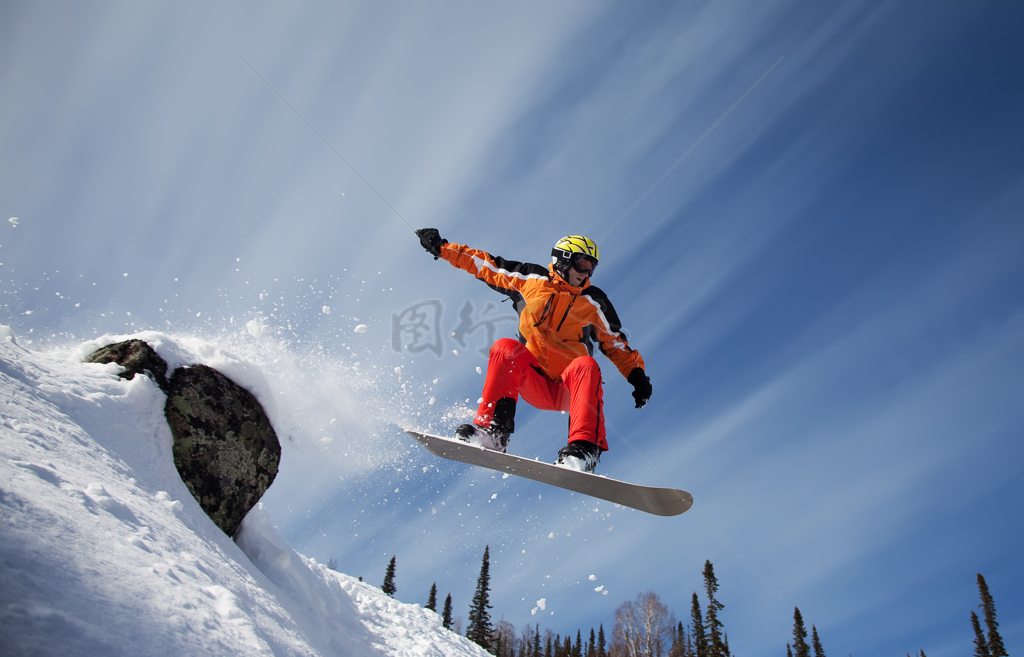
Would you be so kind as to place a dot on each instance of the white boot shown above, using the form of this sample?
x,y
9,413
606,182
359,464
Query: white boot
x,y
581,455
486,437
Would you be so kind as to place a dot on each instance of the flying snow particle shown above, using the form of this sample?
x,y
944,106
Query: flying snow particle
x,y
551,535
479,401
256,327
398,370
600,588
593,578
14,221
431,402
604,592
362,328
455,351
326,310
542,604
494,497
478,370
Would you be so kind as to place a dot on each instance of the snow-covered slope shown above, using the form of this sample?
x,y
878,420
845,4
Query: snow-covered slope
x,y
103,551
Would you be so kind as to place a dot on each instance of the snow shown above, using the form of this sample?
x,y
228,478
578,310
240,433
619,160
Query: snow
x,y
105,552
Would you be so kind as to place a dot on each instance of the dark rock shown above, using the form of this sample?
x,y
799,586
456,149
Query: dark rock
x,y
136,357
224,447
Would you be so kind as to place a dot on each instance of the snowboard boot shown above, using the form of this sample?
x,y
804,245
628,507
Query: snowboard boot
x,y
486,437
496,436
581,455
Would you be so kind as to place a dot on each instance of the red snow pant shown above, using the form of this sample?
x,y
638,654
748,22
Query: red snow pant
x,y
513,371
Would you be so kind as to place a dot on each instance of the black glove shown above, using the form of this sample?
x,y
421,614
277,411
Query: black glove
x,y
431,241
641,386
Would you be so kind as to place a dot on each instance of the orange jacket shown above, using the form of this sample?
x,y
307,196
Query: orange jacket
x,y
557,321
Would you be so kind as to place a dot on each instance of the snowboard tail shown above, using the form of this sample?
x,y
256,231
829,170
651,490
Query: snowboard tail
x,y
650,499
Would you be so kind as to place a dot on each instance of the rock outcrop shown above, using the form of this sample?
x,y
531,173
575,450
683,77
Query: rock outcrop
x,y
136,357
225,449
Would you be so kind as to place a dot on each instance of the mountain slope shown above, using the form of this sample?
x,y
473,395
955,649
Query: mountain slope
x,y
105,552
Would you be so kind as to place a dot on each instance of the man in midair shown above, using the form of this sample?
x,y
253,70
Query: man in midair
x,y
551,366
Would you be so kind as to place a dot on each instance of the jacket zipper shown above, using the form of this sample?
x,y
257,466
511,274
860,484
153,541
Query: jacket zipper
x,y
547,309
566,314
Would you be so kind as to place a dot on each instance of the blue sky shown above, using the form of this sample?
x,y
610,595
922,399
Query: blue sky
x,y
827,290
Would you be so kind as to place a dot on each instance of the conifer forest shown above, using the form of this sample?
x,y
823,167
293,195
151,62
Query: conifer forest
x,y
645,627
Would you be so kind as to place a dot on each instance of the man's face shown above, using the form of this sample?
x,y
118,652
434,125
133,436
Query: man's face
x,y
581,269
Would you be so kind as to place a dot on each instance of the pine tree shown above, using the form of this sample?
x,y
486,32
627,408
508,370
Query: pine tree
x,y
577,650
697,636
602,647
789,653
980,644
389,579
677,641
432,598
688,649
446,615
818,650
479,629
536,642
988,606
592,646
800,647
714,627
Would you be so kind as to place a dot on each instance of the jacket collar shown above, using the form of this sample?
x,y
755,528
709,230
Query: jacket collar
x,y
563,285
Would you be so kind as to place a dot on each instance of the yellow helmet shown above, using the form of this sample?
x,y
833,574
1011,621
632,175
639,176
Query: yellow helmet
x,y
570,249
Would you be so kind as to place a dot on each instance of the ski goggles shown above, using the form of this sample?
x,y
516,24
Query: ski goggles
x,y
578,262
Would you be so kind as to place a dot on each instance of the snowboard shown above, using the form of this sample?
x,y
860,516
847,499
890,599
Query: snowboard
x,y
657,501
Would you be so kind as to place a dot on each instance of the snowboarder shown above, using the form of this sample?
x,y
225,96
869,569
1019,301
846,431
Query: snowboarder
x,y
551,366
